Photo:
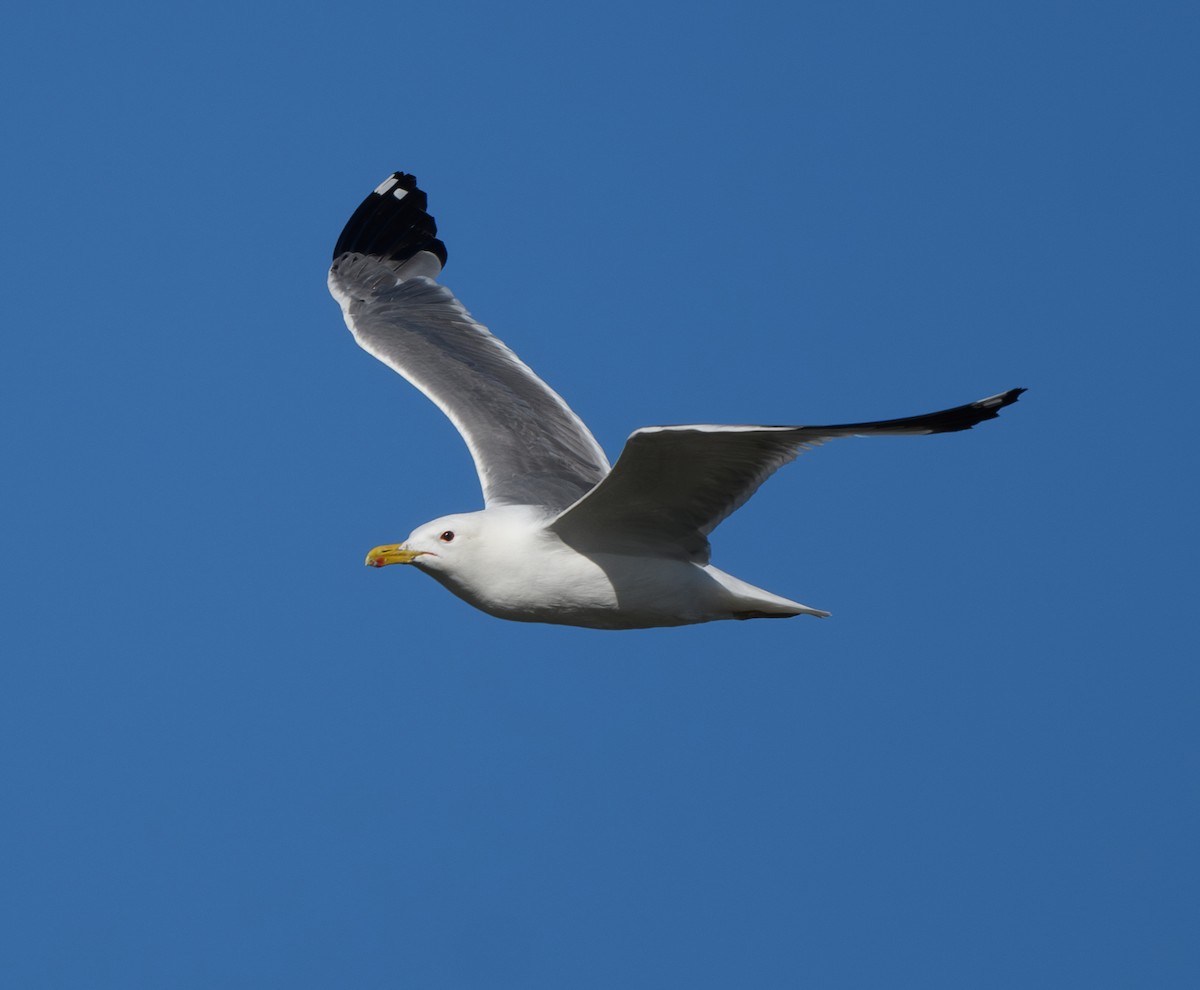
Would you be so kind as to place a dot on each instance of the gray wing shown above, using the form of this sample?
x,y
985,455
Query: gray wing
x,y
528,446
672,485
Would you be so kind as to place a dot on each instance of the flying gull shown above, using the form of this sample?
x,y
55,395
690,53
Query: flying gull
x,y
563,538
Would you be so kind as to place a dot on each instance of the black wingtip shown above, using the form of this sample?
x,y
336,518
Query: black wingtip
x,y
943,421
964,417
392,223
998,402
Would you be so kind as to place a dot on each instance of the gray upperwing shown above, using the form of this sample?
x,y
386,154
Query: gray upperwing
x,y
673,485
528,446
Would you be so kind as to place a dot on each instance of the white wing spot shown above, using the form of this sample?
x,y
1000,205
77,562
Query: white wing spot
x,y
385,185
400,193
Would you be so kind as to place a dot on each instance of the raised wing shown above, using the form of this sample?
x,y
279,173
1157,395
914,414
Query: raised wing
x,y
673,485
529,447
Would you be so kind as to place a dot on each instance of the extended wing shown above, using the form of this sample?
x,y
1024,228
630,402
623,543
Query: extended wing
x,y
528,446
673,485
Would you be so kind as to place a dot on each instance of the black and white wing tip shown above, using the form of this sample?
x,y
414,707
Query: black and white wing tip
x,y
392,224
943,421
964,417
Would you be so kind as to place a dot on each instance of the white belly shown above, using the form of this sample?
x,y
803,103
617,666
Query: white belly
x,y
611,591
507,563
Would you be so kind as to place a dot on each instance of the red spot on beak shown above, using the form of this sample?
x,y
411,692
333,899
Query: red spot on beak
x,y
377,562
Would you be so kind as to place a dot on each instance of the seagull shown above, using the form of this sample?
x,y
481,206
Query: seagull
x,y
563,538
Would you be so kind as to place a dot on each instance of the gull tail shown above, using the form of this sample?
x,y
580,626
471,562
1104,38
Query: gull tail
x,y
745,601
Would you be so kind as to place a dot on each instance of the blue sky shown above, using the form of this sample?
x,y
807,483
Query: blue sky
x,y
230,755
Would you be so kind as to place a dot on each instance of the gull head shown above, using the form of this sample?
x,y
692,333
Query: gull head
x,y
498,559
454,542
432,545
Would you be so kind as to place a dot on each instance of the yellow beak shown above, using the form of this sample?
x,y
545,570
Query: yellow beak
x,y
392,553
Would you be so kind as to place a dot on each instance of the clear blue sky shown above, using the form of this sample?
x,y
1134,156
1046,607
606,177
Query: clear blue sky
x,y
231,756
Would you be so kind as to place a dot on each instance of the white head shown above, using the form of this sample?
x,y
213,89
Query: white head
x,y
488,558
436,546
505,561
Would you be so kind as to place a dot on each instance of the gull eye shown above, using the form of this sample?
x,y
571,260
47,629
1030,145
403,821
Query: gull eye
x,y
447,536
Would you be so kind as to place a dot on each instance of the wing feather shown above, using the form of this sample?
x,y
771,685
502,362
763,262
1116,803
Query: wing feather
x,y
528,446
673,485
